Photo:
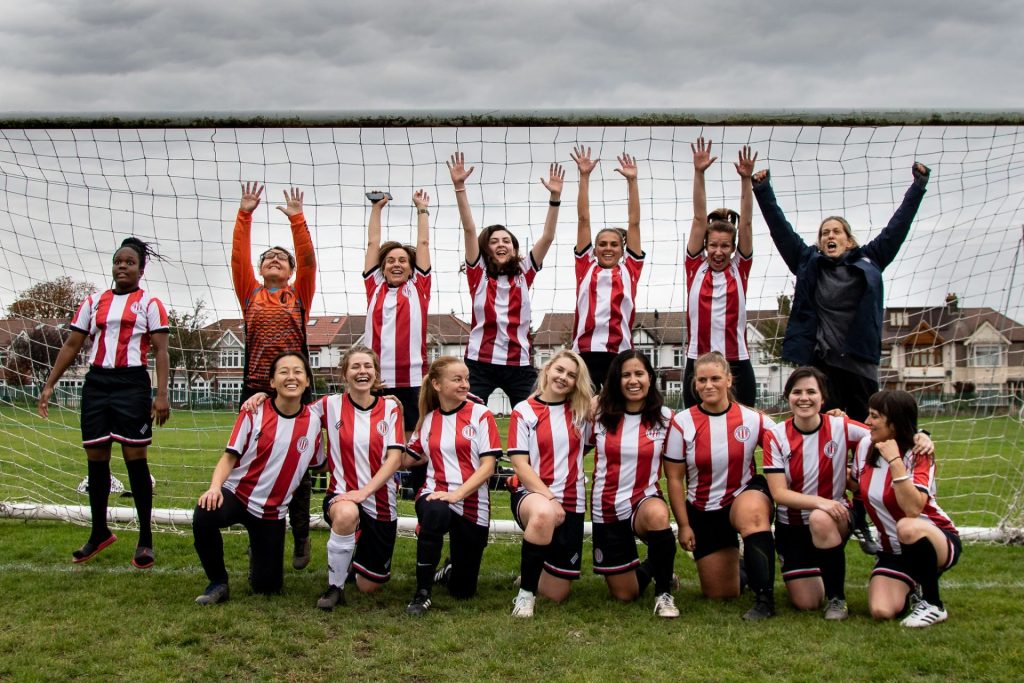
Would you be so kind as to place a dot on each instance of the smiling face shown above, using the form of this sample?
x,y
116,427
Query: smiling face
x,y
452,386
500,247
805,398
719,249
289,377
560,379
881,428
397,267
712,382
635,383
126,270
360,373
608,248
834,239
275,265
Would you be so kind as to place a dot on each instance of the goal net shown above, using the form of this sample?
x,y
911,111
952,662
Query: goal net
x,y
72,189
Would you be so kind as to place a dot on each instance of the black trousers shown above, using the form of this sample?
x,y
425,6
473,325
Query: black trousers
x,y
847,391
266,543
515,380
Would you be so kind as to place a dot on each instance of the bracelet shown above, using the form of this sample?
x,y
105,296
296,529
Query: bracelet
x,y
555,202
460,189
897,480
891,461
419,211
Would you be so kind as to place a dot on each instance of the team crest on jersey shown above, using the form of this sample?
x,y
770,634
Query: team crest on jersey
x,y
383,428
741,433
598,556
654,433
137,307
832,449
302,444
468,432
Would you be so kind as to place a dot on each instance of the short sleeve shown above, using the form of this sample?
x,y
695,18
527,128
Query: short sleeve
x,y
156,316
692,265
584,262
239,440
924,470
415,447
518,433
396,426
488,441
675,442
319,454
773,454
372,280
82,320
475,273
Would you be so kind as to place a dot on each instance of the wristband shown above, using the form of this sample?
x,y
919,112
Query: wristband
x,y
555,202
897,480
889,462
460,189
426,211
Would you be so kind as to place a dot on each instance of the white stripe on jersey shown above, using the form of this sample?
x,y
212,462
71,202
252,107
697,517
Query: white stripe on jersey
x,y
627,466
120,326
605,308
718,451
396,327
546,433
501,315
716,305
814,463
453,444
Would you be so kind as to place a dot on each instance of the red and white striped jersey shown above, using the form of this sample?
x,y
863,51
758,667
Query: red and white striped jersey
x,y
501,314
814,462
605,307
627,466
716,305
718,451
120,326
396,326
453,444
273,452
358,440
546,433
875,485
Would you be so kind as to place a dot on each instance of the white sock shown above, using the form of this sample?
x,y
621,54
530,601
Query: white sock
x,y
339,557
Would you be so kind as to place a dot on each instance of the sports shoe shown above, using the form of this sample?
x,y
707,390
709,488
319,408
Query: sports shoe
x,y
144,558
764,608
925,614
91,550
419,604
522,605
331,598
442,575
665,606
836,610
866,540
214,594
300,560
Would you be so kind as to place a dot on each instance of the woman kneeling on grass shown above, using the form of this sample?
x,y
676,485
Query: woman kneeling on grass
x,y
626,502
365,443
547,434
459,439
266,457
919,541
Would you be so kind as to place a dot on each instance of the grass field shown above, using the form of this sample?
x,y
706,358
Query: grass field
x,y
105,621
980,462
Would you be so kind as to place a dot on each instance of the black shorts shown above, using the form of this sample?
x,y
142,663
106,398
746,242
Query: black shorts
x,y
796,552
375,544
893,566
712,529
117,406
563,557
515,380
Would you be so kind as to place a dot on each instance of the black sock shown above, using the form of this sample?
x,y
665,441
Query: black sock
x,y
661,552
531,565
922,564
644,575
428,554
142,494
832,562
759,558
99,492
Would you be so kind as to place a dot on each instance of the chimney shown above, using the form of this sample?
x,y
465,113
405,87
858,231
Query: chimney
x,y
952,303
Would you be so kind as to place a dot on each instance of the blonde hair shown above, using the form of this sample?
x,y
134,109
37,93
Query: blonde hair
x,y
713,358
429,400
582,393
347,357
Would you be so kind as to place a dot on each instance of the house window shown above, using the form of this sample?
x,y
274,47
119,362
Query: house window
x,y
179,392
674,387
230,389
314,360
924,357
987,356
231,358
899,319
651,356
886,361
433,353
678,358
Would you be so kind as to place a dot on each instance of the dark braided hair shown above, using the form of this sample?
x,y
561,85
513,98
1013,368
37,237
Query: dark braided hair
x,y
141,248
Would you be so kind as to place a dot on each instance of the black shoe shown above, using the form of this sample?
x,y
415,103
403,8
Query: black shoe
x,y
866,540
764,608
442,575
214,594
420,603
300,560
331,598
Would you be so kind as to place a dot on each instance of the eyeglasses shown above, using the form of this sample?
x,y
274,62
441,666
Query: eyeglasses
x,y
275,256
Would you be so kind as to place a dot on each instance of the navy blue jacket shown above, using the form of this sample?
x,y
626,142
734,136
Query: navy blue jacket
x,y
864,340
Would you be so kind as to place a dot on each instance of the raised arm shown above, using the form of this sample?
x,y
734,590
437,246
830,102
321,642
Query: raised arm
x,y
553,184
457,169
883,249
702,161
745,169
791,246
627,169
422,202
305,257
373,235
243,276
585,165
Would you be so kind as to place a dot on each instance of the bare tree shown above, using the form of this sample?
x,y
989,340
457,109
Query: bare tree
x,y
57,298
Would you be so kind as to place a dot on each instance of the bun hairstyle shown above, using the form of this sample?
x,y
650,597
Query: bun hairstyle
x,y
722,220
143,249
429,399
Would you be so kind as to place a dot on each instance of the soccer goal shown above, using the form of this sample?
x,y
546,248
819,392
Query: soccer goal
x,y
71,187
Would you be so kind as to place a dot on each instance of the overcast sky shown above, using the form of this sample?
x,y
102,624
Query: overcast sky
x,y
207,57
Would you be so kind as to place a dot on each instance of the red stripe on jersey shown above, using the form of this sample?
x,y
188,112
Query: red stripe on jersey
x,y
282,488
612,453
264,449
127,326
515,311
716,307
707,290
100,340
464,453
501,315
731,317
796,466
434,447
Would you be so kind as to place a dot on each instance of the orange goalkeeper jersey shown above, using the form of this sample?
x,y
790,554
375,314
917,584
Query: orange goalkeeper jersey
x,y
275,320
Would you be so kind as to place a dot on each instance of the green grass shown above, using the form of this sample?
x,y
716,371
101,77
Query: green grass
x,y
980,461
104,621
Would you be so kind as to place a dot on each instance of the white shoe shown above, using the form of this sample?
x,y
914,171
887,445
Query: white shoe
x,y
925,614
665,606
522,606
